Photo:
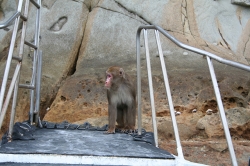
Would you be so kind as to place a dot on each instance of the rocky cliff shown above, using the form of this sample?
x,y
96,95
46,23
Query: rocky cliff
x,y
80,39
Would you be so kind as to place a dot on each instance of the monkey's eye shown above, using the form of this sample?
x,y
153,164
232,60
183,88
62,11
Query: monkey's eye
x,y
108,75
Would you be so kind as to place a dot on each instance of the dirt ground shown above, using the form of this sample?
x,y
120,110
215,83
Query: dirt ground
x,y
202,152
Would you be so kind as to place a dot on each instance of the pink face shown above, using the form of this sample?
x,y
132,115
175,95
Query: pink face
x,y
108,80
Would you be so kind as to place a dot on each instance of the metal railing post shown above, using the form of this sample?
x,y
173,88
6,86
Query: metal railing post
x,y
38,86
151,91
138,66
33,103
222,112
169,97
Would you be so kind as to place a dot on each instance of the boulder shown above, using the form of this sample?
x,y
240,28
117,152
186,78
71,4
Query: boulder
x,y
237,119
241,2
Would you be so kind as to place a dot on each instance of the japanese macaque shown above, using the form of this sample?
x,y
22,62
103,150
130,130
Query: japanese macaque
x,y
121,100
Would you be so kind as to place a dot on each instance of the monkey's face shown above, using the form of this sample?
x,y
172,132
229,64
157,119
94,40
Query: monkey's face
x,y
114,77
108,82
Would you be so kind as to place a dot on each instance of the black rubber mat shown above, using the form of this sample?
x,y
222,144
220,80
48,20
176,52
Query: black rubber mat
x,y
84,142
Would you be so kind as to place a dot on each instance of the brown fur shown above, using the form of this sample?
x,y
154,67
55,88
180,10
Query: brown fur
x,y
121,100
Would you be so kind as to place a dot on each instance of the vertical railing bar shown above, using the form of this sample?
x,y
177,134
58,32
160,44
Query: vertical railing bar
x,y
32,91
222,112
39,74
8,63
35,61
20,5
169,97
151,91
37,28
138,62
26,11
38,86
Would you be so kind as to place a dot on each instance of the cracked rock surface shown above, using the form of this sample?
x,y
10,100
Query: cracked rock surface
x,y
80,39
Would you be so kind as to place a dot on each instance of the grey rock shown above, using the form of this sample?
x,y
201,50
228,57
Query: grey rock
x,y
237,119
241,2
219,146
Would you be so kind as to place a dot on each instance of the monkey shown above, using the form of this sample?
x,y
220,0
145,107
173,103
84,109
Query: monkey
x,y
121,97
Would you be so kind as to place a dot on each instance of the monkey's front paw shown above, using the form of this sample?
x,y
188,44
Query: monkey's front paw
x,y
109,132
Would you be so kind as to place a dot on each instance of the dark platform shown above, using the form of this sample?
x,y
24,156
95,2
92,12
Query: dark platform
x,y
54,147
84,142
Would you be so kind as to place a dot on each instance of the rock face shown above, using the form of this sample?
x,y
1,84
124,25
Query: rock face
x,y
80,39
238,123
241,2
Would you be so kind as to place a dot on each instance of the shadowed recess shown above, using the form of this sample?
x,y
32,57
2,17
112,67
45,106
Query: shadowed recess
x,y
57,26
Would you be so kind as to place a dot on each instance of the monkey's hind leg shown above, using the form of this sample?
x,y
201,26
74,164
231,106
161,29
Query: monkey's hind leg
x,y
120,120
130,120
112,117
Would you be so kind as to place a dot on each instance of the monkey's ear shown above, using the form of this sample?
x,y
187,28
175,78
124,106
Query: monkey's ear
x,y
122,73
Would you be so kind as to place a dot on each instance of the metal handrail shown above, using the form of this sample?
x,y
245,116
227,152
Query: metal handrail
x,y
10,20
193,49
213,77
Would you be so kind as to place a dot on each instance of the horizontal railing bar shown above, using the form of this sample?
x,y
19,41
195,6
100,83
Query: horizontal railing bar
x,y
18,58
30,44
193,49
23,17
9,21
35,3
26,86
